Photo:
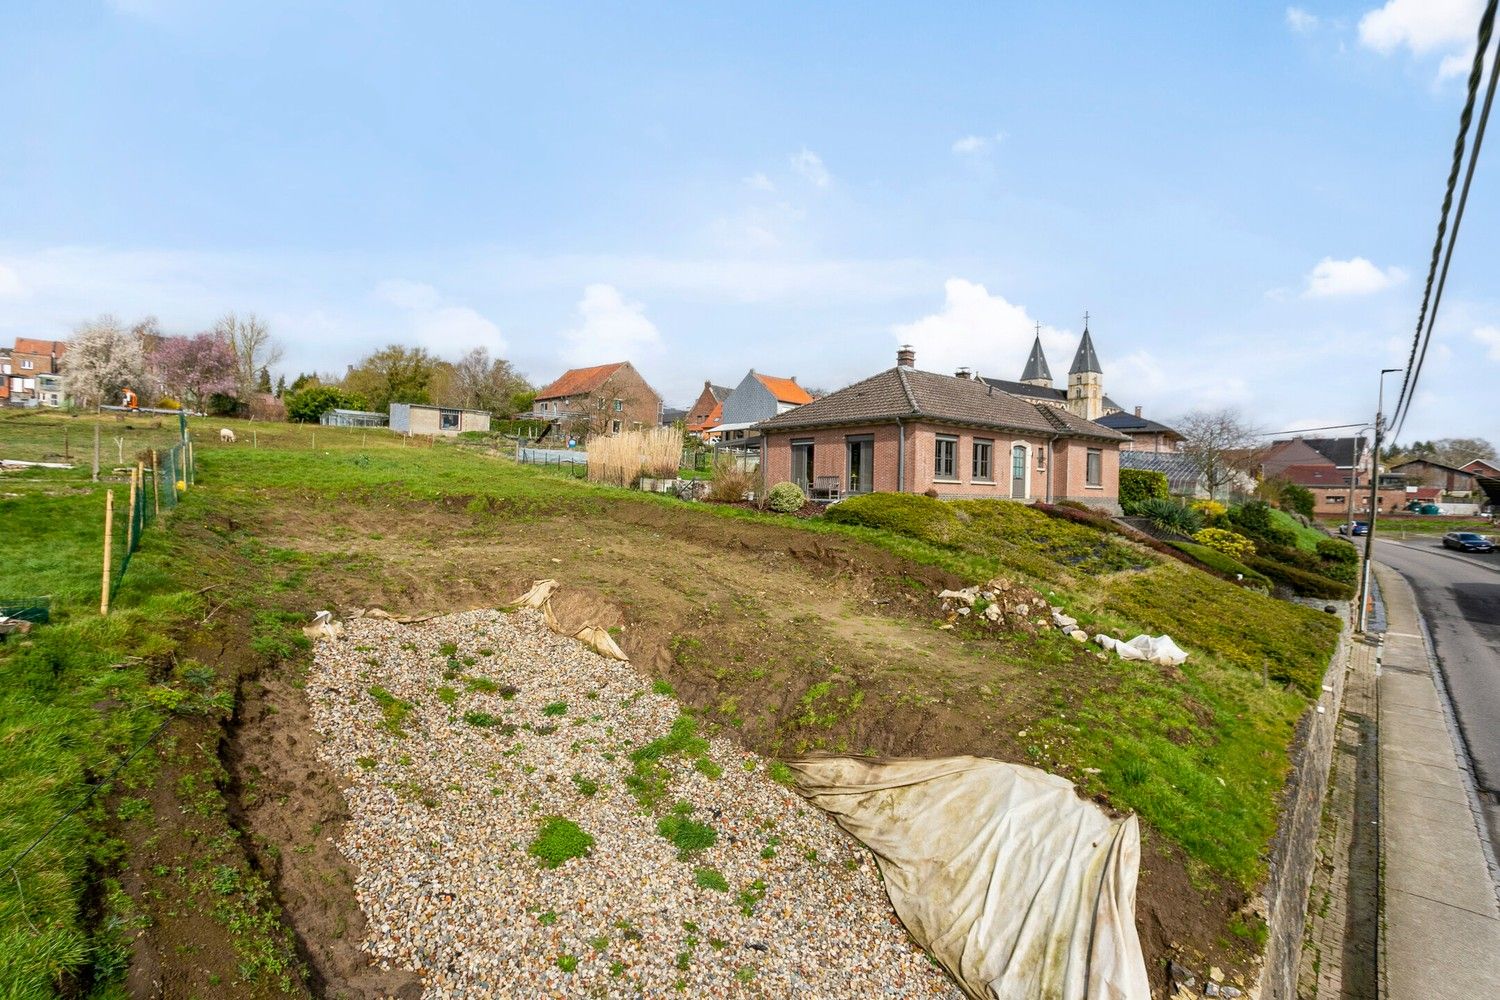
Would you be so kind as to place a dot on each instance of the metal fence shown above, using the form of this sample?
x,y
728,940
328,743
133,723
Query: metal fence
x,y
154,487
573,463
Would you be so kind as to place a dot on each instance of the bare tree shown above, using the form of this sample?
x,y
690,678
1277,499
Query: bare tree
x,y
480,382
1221,444
103,356
254,348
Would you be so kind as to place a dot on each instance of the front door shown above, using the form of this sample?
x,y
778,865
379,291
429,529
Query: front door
x,y
1018,472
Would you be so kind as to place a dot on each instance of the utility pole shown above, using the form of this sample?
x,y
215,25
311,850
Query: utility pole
x,y
1364,579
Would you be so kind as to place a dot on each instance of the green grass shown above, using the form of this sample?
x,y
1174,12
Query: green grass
x,y
1307,538
710,878
559,840
1214,559
684,833
393,711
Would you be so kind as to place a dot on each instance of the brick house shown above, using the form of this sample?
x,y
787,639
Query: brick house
x,y
26,362
605,399
758,397
707,410
1341,492
1145,434
1479,467
911,431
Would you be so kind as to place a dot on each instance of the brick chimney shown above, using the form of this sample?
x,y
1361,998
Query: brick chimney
x,y
1137,411
906,357
961,373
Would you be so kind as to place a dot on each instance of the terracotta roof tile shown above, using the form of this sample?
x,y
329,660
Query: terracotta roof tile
x,y
786,390
577,381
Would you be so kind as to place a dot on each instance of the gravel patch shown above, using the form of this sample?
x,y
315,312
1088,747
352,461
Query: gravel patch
x,y
461,736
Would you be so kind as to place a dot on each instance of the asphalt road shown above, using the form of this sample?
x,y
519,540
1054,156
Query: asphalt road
x,y
1459,594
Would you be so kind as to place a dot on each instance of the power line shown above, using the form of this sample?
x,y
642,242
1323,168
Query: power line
x,y
1425,318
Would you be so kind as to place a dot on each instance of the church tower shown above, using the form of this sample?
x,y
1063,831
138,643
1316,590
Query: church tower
x,y
1086,379
1037,373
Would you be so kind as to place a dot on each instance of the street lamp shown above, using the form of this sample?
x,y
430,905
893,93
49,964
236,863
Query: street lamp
x,y
1364,579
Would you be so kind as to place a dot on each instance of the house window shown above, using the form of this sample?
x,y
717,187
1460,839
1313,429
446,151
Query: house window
x,y
619,405
448,420
1094,468
26,366
859,463
1334,499
945,458
614,427
984,452
802,463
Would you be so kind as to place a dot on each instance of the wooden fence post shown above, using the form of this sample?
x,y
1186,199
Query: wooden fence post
x,y
156,483
130,518
96,452
109,524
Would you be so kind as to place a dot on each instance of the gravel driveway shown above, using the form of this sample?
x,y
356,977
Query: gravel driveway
x,y
461,737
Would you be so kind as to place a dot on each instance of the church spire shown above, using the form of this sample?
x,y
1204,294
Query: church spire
x,y
1086,360
1037,372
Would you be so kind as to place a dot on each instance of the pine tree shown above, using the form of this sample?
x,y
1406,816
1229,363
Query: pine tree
x,y
263,382
280,386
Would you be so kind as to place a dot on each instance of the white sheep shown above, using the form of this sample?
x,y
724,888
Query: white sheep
x,y
226,436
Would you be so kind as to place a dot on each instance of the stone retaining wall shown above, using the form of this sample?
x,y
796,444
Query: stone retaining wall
x,y
1294,851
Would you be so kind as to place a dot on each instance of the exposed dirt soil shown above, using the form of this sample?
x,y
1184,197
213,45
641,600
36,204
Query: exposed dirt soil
x,y
788,640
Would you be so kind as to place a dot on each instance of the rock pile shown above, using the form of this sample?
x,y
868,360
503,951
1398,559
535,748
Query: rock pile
x,y
999,602
691,872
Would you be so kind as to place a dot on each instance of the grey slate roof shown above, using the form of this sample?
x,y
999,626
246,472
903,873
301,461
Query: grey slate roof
x,y
1339,451
1182,472
720,392
908,393
1086,360
1036,363
1039,391
1130,423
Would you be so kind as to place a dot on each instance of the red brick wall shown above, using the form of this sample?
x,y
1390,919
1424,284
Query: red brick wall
x,y
1067,462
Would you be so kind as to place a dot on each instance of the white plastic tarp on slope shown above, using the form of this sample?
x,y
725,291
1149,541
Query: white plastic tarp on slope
x,y
1022,890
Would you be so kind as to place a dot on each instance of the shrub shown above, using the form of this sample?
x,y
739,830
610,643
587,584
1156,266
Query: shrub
x,y
559,840
1290,555
1170,515
1300,581
1297,498
905,513
1225,565
1337,550
1211,510
1228,542
730,483
1258,520
785,498
1137,485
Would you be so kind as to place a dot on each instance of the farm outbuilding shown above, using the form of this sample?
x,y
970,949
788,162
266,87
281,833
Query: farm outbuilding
x,y
419,418
352,418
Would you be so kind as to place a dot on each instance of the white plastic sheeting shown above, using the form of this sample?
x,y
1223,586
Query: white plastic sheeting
x,y
1160,649
1022,890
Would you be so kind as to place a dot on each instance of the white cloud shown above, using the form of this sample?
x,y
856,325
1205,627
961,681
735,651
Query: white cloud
x,y
11,286
1300,20
1349,277
1489,336
971,145
610,329
1422,26
407,294
1457,64
984,332
759,182
810,165
447,330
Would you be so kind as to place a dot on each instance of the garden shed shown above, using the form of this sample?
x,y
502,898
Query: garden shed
x,y
419,418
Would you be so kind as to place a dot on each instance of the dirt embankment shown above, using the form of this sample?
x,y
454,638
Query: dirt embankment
x,y
787,640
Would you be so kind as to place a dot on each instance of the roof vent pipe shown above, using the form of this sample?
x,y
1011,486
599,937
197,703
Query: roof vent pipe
x,y
906,357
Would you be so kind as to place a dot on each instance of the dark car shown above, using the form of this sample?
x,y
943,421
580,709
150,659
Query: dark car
x,y
1354,528
1467,541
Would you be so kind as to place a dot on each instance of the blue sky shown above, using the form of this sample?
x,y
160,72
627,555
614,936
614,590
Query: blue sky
x,y
1243,196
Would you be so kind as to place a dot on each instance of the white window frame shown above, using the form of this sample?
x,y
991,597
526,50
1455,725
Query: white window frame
x,y
27,365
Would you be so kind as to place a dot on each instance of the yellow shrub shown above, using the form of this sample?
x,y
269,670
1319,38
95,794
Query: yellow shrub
x,y
1231,543
1210,509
